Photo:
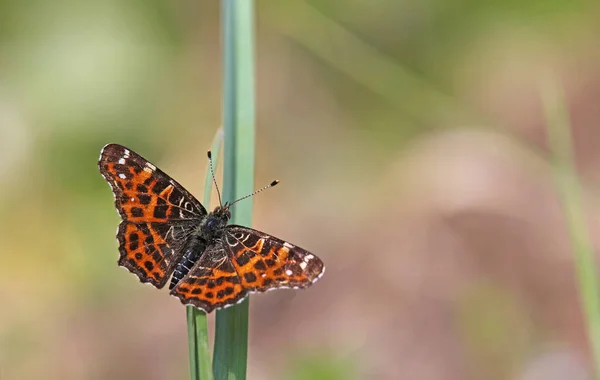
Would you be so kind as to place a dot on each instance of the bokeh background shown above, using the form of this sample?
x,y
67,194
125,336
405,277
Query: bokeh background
x,y
410,140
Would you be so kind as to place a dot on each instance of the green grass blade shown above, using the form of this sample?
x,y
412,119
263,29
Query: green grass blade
x,y
231,335
200,363
558,126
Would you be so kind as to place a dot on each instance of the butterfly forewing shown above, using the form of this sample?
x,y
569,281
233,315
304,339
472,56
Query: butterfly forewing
x,y
158,214
144,193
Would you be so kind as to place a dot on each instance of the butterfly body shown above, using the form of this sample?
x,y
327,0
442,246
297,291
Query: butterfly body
x,y
166,233
210,228
190,256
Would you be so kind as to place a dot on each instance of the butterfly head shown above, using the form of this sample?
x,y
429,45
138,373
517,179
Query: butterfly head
x,y
222,212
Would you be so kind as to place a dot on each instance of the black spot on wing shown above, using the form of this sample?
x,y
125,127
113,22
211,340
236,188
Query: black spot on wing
x,y
144,198
176,196
157,256
159,186
160,212
270,262
242,259
137,212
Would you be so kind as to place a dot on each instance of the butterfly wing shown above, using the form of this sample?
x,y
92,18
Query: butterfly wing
x,y
158,214
244,261
212,283
264,262
151,250
144,193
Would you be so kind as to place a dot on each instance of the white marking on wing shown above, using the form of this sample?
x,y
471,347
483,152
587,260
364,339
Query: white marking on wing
x,y
319,276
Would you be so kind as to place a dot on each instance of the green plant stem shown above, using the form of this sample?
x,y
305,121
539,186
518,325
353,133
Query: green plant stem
x,y
558,126
231,334
200,364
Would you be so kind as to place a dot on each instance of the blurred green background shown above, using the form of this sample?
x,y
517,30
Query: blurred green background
x,y
409,138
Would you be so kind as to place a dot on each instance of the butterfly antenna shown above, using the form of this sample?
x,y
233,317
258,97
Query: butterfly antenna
x,y
256,192
213,177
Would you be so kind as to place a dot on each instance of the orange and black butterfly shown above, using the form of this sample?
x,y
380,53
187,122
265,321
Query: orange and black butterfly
x,y
167,233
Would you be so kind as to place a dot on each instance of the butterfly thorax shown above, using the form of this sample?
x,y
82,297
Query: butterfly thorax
x,y
214,223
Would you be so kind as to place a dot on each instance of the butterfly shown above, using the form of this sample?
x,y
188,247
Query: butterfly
x,y
166,233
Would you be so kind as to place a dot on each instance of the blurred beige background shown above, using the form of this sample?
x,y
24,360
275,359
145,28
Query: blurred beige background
x,y
410,141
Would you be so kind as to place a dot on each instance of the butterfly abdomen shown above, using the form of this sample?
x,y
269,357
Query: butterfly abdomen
x,y
191,255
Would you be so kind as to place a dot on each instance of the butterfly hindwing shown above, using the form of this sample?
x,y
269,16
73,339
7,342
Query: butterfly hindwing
x,y
245,261
264,262
212,283
151,250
